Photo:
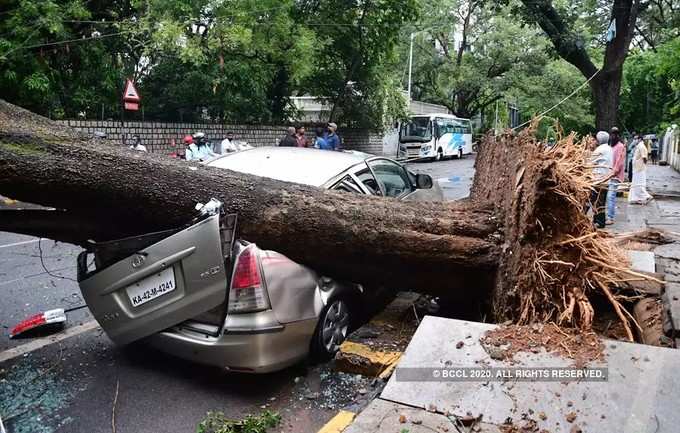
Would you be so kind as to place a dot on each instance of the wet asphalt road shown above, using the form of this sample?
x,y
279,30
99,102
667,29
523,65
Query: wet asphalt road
x,y
70,385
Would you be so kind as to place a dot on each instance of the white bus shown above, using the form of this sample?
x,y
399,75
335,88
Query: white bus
x,y
435,136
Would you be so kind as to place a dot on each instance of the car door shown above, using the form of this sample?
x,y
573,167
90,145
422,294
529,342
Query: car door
x,y
162,284
392,178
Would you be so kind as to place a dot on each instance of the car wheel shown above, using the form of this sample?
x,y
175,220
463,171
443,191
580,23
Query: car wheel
x,y
332,329
440,155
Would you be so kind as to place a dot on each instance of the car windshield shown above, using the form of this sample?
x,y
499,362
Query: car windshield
x,y
417,127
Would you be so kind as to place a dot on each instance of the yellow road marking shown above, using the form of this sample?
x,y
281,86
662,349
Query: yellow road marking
x,y
339,422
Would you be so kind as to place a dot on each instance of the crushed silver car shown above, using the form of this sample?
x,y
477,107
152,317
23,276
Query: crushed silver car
x,y
201,293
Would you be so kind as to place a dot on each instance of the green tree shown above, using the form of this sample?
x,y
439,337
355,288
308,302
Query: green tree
x,y
651,91
77,74
548,89
358,42
232,60
577,33
472,54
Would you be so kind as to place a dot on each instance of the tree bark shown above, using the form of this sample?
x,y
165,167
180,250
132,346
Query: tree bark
x,y
606,90
106,192
569,45
513,243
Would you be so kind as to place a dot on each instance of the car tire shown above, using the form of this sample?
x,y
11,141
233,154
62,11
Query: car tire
x,y
332,329
440,155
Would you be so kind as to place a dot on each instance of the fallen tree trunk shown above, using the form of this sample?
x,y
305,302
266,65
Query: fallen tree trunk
x,y
107,192
521,238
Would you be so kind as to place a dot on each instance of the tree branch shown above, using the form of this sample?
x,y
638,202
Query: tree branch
x,y
567,43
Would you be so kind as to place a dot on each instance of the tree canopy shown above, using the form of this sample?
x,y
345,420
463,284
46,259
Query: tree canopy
x,y
231,60
241,61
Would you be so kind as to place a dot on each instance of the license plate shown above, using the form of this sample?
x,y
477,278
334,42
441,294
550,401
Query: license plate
x,y
152,287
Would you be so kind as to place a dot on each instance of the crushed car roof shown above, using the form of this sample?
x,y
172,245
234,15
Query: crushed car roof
x,y
291,164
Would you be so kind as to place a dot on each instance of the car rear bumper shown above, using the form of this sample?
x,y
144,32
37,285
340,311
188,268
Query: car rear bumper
x,y
258,349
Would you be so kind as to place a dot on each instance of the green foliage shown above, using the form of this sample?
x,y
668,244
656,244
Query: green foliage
x,y
650,94
231,60
547,89
217,422
501,55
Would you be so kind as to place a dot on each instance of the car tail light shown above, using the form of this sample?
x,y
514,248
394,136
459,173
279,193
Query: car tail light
x,y
247,293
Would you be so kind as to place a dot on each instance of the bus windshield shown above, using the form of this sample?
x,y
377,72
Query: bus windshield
x,y
417,129
453,126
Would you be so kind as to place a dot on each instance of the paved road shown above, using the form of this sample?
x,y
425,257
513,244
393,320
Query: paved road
x,y
454,176
70,385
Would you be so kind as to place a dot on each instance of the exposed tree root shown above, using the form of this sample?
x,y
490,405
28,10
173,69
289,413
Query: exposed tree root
x,y
555,262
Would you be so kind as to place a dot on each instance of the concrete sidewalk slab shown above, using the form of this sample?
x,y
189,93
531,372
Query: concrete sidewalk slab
x,y
640,395
642,261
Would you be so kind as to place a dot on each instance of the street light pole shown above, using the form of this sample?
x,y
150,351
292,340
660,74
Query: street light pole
x,y
410,65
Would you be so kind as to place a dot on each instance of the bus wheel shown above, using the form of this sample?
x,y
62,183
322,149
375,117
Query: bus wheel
x,y
440,155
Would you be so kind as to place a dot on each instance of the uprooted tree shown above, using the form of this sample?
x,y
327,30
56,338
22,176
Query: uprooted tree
x,y
521,237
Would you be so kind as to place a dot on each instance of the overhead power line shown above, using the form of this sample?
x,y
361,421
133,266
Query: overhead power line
x,y
68,41
565,99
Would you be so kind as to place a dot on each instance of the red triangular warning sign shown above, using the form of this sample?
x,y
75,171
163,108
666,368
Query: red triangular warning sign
x,y
130,93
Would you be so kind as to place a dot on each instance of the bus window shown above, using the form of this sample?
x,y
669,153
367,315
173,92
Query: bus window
x,y
453,126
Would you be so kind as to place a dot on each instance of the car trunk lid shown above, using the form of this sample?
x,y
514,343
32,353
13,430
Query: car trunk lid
x,y
145,284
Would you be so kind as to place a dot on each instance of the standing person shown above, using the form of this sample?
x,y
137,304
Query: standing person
x,y
199,149
300,136
602,162
289,140
137,144
617,173
629,155
655,151
638,188
228,145
320,142
332,138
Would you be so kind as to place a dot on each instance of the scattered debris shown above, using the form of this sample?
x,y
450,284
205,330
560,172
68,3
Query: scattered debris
x,y
312,395
504,342
571,417
362,359
217,422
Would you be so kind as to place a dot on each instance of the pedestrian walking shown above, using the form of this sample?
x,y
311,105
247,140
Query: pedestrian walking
x,y
300,136
320,142
332,138
617,173
654,153
629,154
601,160
638,189
289,140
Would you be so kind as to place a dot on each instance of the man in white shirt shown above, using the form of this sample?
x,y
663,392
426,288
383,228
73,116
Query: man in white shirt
x,y
601,160
638,188
228,145
137,144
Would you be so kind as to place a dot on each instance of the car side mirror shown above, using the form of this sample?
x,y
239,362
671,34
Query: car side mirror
x,y
423,181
